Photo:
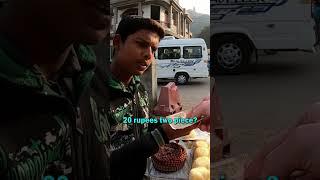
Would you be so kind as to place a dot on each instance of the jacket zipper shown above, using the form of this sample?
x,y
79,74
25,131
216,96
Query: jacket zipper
x,y
136,126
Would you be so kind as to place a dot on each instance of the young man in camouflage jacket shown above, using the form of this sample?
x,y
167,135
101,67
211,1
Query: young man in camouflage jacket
x,y
53,118
135,43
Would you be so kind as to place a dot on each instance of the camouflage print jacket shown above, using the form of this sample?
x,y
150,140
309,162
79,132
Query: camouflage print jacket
x,y
131,143
52,128
126,105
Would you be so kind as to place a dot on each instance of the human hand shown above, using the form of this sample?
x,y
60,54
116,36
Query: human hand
x,y
299,136
291,154
202,112
175,133
207,98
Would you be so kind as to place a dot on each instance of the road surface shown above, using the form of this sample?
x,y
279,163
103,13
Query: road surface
x,y
258,104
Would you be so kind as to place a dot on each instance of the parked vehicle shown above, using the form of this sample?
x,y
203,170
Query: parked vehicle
x,y
240,28
182,59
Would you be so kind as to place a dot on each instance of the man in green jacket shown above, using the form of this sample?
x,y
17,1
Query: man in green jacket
x,y
53,118
135,43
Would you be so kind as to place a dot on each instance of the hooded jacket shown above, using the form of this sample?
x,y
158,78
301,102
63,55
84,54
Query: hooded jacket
x,y
53,128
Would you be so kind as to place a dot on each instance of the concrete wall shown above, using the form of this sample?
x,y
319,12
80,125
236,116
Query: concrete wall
x,y
146,11
116,1
145,8
150,81
119,15
147,14
162,13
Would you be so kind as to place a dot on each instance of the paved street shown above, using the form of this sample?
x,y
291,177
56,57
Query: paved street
x,y
271,97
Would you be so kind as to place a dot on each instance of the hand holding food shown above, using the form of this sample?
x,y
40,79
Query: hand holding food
x,y
202,112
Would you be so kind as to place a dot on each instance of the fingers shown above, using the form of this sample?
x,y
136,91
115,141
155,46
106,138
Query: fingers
x,y
189,114
184,131
202,109
193,126
204,127
296,149
255,167
207,98
312,115
289,156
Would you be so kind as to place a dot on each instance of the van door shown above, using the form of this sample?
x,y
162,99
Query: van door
x,y
286,25
272,24
194,61
166,61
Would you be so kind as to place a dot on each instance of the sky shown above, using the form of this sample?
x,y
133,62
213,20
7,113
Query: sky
x,y
201,6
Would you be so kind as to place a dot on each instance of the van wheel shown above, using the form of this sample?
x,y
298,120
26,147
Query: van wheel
x,y
231,55
182,78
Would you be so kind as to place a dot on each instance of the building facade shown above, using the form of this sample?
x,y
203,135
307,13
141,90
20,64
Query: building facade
x,y
168,13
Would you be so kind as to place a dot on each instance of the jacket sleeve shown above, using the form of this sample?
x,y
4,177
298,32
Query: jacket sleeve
x,y
133,157
130,160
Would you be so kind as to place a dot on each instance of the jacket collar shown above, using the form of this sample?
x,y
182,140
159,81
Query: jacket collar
x,y
14,73
119,86
29,77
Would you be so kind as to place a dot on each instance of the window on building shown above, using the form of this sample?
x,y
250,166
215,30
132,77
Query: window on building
x,y
187,27
166,18
181,24
130,12
155,12
169,53
175,18
190,52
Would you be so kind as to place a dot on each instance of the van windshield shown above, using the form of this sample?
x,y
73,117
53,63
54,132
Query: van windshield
x,y
190,52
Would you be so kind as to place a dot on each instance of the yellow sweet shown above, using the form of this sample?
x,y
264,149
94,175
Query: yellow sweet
x,y
195,174
191,135
205,172
201,144
199,173
202,162
201,151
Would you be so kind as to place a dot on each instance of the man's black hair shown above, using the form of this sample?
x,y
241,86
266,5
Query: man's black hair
x,y
131,24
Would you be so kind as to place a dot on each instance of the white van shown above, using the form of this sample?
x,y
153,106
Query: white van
x,y
239,28
182,59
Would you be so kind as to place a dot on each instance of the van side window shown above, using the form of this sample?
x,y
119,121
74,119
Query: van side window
x,y
169,53
190,52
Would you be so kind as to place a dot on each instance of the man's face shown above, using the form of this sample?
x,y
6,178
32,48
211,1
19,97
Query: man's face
x,y
137,52
84,21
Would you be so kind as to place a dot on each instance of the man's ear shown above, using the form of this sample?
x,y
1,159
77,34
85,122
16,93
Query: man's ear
x,y
116,41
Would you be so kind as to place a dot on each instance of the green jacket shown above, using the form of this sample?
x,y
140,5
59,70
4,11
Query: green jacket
x,y
52,128
127,104
131,142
